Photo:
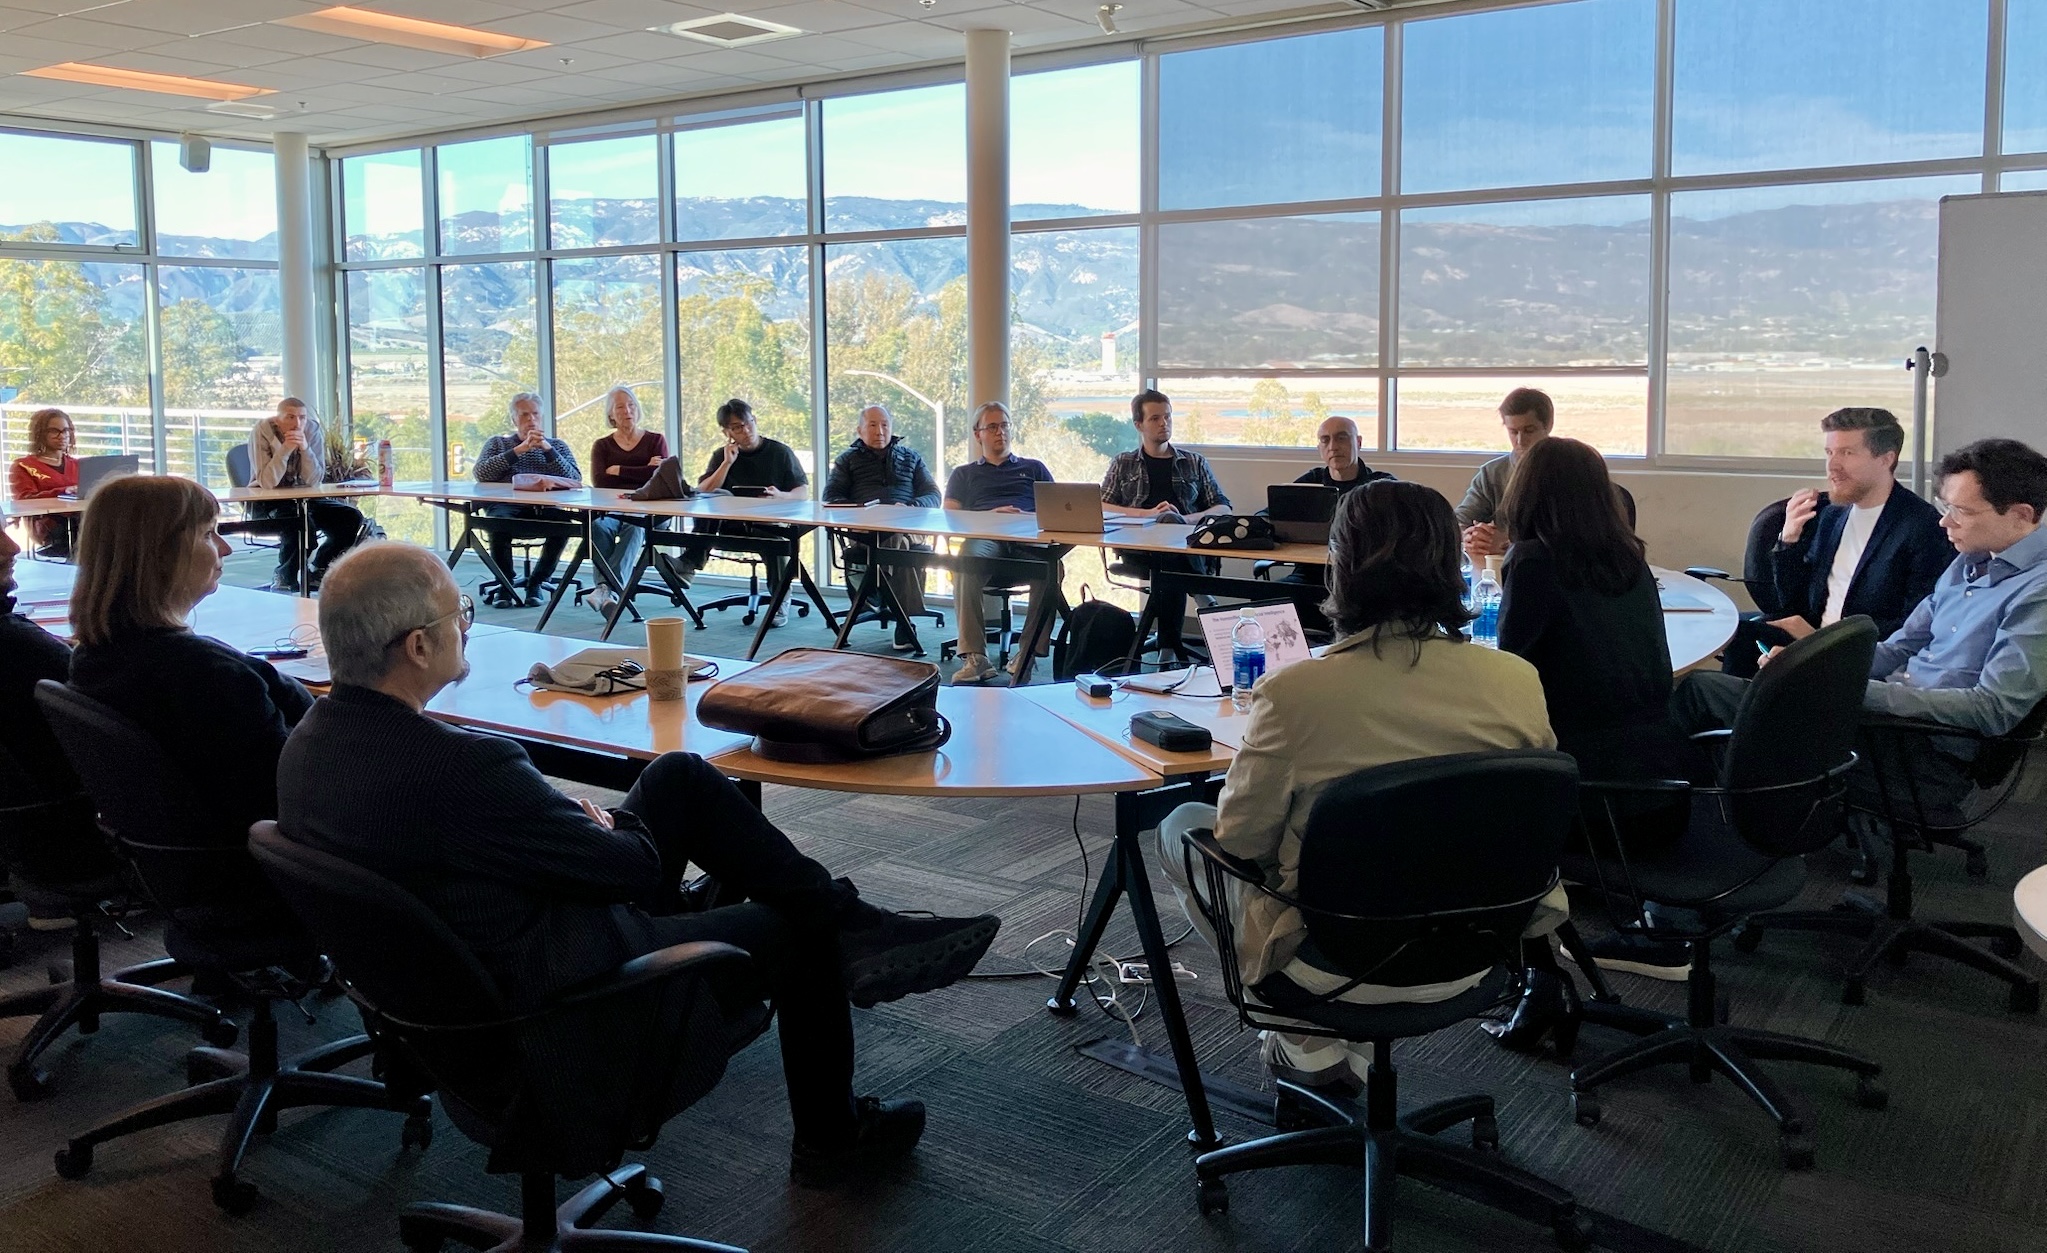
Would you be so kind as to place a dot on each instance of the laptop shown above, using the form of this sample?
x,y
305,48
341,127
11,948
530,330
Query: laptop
x,y
1301,512
1076,507
93,471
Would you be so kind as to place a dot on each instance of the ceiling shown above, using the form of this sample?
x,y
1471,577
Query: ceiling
x,y
601,55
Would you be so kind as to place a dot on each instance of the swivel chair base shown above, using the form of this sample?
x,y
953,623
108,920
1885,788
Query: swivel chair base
x,y
252,1088
1389,1144
81,1000
1703,1042
542,1228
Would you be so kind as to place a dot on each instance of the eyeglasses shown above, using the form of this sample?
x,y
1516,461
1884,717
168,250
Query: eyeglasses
x,y
465,609
993,426
1954,511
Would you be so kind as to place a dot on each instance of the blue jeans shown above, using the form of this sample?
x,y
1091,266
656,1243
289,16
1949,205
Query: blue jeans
x,y
618,541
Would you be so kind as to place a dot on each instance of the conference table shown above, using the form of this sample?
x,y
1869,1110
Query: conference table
x,y
2029,911
301,501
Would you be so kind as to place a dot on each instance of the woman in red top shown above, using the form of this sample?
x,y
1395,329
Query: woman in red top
x,y
49,470
626,457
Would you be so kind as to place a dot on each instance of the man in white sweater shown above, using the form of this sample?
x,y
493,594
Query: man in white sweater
x,y
288,450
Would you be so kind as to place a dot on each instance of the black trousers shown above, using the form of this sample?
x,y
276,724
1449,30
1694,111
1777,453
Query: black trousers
x,y
1745,650
695,559
337,523
551,545
789,923
1169,609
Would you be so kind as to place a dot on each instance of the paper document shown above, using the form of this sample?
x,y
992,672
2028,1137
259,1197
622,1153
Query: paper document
x,y
1678,600
1285,641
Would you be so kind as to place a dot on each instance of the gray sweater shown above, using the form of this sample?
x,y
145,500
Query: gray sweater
x,y
272,465
1482,499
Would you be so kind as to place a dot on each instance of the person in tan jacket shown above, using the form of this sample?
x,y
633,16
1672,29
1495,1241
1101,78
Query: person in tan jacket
x,y
1401,682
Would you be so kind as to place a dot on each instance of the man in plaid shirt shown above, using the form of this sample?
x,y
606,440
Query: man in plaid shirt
x,y
1169,484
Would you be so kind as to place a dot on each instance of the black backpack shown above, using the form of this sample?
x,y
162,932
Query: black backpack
x,y
1096,638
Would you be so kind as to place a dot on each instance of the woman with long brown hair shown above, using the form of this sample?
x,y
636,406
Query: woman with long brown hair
x,y
148,553
48,471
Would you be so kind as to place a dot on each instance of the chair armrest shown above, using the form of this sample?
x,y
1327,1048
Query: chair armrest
x,y
1673,786
1717,733
1710,572
698,957
1230,864
1926,727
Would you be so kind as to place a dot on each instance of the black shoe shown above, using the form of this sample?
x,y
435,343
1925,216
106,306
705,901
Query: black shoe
x,y
1637,954
1540,1009
533,598
893,955
499,598
883,1132
905,642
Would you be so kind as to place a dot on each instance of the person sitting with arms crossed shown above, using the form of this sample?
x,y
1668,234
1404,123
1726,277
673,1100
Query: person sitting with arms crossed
x,y
147,555
1338,442
288,450
1529,416
623,457
1171,484
527,450
1001,481
1874,548
47,472
548,892
879,468
749,464
1401,682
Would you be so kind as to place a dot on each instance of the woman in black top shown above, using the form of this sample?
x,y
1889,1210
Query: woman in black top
x,y
148,553
1579,602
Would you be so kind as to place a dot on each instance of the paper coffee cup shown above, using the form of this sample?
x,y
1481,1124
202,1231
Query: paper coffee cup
x,y
665,676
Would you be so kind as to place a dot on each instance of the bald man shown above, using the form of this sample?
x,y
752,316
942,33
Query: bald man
x,y
878,468
1337,440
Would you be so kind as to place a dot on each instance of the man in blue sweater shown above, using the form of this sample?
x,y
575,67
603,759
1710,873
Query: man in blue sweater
x,y
527,450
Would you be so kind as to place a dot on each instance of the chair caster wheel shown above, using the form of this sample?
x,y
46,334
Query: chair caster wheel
x,y
1585,1109
73,1163
2005,946
1977,865
1870,1092
417,1133
221,1033
1748,938
645,1196
938,620
746,620
1852,992
2025,998
234,1196
802,609
1572,1231
1211,1197
1485,1133
1797,1149
29,1084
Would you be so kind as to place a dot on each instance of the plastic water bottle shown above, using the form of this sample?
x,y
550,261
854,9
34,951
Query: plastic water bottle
x,y
1464,568
1247,657
1485,602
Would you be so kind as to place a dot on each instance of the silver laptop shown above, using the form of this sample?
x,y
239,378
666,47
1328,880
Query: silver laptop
x,y
1075,507
93,471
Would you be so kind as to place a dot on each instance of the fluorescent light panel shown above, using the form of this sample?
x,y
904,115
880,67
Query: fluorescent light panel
x,y
728,30
143,80
409,32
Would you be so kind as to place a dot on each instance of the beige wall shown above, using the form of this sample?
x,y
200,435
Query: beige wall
x,y
1686,518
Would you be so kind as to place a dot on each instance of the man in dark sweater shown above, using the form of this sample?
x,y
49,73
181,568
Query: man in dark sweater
x,y
749,464
549,892
1171,484
880,469
999,481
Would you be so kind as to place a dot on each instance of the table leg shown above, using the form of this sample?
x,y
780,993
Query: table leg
x,y
868,578
816,596
305,543
470,541
625,593
1046,600
793,563
561,585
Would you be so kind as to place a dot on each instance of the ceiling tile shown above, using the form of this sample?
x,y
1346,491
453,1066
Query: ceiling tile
x,y
555,28
386,56
1017,19
817,16
90,34
635,14
192,17
913,11
35,52
588,60
304,43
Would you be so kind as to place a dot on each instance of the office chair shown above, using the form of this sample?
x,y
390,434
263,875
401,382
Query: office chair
x,y
561,1090
1781,775
1888,927
871,598
753,600
1412,873
1757,577
1004,632
284,525
222,918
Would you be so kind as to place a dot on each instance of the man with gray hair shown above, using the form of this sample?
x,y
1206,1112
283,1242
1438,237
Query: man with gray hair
x,y
878,468
1003,482
548,892
527,450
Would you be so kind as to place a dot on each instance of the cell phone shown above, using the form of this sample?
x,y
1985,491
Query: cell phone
x,y
292,653
747,491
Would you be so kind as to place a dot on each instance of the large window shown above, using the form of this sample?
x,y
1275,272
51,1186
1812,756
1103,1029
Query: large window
x,y
607,333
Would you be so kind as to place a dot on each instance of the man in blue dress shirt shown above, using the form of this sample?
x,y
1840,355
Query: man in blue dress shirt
x,y
1001,481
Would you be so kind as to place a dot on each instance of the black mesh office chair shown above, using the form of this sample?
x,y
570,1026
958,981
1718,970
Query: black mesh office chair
x,y
869,596
562,1090
1757,577
1890,932
1781,776
224,918
1413,873
272,520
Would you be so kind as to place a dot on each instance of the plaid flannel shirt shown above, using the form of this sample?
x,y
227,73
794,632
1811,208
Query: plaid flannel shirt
x,y
1194,485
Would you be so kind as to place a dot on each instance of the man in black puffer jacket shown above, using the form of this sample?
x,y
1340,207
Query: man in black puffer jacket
x,y
878,469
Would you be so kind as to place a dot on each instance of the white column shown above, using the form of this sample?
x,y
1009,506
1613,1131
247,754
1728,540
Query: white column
x,y
295,279
987,215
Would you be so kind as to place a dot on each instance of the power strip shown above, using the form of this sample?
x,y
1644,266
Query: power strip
x,y
1140,972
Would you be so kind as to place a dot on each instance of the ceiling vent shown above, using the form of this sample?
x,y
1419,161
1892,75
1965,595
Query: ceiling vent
x,y
729,30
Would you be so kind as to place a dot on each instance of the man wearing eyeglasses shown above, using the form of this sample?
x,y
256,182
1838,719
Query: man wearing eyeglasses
x,y
548,892
749,464
1003,482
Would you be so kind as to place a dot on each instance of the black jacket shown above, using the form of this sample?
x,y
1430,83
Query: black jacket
x,y
895,475
1906,553
32,767
534,887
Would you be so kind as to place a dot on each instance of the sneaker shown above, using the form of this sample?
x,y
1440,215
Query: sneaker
x,y
904,641
889,956
1637,954
883,1131
602,600
974,668
781,618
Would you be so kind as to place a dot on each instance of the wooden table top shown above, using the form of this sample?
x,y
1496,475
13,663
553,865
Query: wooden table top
x,y
320,491
1695,636
40,507
1108,720
2029,911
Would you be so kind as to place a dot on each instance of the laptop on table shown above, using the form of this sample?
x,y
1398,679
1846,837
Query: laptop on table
x,y
1301,512
93,471
1076,507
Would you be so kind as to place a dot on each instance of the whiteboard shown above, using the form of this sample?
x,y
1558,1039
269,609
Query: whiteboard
x,y
1992,320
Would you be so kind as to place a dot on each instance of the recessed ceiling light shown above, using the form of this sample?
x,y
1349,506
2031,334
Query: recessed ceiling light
x,y
409,32
257,112
728,30
143,80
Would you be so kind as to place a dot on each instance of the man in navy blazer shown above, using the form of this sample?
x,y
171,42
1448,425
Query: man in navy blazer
x,y
1868,547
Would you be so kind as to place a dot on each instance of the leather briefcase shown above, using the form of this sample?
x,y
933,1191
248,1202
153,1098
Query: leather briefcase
x,y
818,705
